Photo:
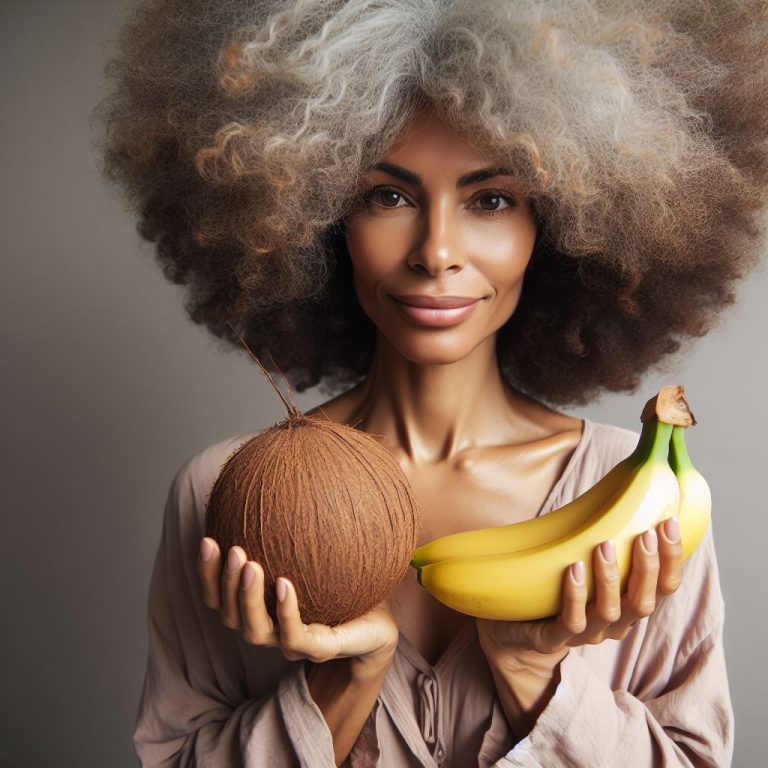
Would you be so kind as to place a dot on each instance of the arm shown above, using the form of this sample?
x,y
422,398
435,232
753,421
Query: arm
x,y
209,698
676,709
525,689
345,694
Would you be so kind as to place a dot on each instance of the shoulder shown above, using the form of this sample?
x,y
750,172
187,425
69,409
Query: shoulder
x,y
606,444
601,448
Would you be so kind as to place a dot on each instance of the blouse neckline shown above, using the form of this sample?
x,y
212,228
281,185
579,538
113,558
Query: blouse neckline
x,y
466,632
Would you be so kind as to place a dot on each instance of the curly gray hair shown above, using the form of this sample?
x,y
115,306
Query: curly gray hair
x,y
240,131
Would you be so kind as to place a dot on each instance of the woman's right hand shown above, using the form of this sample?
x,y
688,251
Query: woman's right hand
x,y
236,591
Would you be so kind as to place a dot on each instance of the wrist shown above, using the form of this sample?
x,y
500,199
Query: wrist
x,y
372,665
351,670
525,684
345,699
526,660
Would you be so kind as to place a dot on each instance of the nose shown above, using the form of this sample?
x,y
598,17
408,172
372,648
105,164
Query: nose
x,y
439,246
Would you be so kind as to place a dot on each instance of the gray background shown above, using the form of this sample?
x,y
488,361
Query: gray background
x,y
107,389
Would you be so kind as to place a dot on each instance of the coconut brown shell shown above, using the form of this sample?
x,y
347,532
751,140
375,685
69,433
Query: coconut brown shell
x,y
324,505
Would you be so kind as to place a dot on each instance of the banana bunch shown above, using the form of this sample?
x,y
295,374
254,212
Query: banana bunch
x,y
515,572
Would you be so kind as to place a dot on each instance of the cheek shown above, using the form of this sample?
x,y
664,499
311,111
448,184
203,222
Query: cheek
x,y
506,252
375,247
369,265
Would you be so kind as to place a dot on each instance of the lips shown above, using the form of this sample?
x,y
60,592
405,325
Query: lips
x,y
435,311
435,302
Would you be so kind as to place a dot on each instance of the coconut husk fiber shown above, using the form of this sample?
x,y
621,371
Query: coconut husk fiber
x,y
322,504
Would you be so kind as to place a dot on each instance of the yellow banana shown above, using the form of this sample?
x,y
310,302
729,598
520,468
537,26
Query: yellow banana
x,y
525,534
527,584
695,499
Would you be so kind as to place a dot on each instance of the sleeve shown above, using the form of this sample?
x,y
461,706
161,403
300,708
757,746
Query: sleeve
x,y
210,699
677,710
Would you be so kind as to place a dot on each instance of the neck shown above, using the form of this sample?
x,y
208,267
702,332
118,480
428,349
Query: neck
x,y
433,412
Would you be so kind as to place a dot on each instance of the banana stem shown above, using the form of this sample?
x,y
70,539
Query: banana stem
x,y
654,441
679,459
666,409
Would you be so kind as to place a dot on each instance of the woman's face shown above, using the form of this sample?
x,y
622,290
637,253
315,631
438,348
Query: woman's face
x,y
438,223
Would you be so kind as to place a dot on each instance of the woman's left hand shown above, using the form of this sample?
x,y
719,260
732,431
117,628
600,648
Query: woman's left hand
x,y
543,643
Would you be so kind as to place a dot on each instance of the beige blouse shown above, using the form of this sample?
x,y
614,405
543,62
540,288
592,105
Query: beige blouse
x,y
657,698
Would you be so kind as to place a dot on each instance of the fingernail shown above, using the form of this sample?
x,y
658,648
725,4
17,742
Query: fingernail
x,y
672,529
650,542
608,551
233,560
206,550
577,572
247,576
282,589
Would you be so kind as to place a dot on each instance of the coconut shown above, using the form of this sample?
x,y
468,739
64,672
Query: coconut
x,y
322,504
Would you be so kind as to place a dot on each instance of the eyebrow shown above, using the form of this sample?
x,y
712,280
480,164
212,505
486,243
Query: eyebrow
x,y
473,177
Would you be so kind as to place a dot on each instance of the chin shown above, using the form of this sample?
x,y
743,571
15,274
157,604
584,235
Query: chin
x,y
428,351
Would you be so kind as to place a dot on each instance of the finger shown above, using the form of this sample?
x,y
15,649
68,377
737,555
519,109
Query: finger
x,y
641,591
606,608
292,630
573,615
209,571
551,636
640,598
258,627
230,584
296,641
670,557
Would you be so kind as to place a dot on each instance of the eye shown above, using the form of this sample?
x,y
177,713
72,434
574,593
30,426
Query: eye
x,y
385,197
494,201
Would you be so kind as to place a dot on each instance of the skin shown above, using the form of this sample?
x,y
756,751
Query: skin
x,y
473,461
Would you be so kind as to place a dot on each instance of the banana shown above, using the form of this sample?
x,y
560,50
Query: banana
x,y
527,584
525,534
695,499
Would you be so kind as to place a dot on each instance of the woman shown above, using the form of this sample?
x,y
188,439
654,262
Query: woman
x,y
451,213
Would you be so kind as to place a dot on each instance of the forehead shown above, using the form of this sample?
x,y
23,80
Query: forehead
x,y
430,143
